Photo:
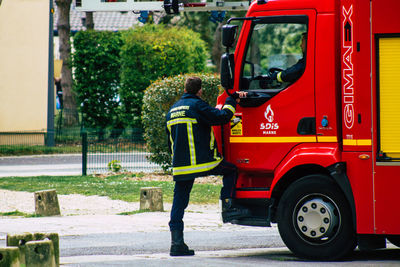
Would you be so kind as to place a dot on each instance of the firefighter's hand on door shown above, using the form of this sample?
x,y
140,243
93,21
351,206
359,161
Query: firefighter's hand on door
x,y
239,94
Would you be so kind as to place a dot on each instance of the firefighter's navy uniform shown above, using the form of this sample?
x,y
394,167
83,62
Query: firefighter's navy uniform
x,y
293,73
194,149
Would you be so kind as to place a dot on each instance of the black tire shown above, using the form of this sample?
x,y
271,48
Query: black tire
x,y
315,220
394,239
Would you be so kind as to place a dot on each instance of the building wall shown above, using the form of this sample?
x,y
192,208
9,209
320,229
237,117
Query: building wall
x,y
24,44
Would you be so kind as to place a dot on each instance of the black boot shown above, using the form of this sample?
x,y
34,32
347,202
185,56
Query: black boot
x,y
178,246
232,212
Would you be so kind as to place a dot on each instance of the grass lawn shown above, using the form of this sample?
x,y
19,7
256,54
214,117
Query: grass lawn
x,y
22,150
124,187
18,214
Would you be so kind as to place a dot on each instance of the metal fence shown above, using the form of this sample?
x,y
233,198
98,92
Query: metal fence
x,y
102,151
107,151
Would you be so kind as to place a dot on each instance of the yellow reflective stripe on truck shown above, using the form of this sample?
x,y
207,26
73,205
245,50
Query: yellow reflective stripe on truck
x,y
274,139
357,142
300,139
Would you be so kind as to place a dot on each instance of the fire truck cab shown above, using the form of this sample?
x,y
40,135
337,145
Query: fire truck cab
x,y
318,154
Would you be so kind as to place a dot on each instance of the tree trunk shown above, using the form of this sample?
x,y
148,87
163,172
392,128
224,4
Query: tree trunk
x,y
217,48
89,21
63,27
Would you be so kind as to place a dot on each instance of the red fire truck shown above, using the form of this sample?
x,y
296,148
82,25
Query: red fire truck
x,y
320,156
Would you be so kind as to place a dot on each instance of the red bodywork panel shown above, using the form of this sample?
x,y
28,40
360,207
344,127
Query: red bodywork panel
x,y
355,75
386,178
340,85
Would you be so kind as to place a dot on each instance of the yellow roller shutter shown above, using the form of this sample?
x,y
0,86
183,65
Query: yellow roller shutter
x,y
389,96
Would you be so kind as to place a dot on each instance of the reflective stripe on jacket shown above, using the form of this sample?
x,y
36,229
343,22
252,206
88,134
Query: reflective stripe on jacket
x,y
190,136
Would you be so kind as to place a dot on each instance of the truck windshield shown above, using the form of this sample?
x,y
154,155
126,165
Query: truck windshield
x,y
273,48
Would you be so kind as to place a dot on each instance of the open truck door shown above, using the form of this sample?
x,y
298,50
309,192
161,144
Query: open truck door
x,y
268,119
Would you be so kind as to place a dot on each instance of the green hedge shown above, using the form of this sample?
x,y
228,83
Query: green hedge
x,y
96,63
151,52
157,100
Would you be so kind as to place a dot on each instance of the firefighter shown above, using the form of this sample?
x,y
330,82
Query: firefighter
x,y
194,154
294,72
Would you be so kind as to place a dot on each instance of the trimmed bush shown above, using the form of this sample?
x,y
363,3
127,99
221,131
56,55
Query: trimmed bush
x,y
96,64
157,100
152,52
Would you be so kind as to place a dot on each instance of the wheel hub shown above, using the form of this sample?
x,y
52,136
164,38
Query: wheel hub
x,y
316,218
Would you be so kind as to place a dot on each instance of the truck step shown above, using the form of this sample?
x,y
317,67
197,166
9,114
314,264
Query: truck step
x,y
253,189
253,221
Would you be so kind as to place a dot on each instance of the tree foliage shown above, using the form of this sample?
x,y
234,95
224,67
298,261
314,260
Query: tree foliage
x,y
282,38
158,98
96,62
209,31
275,45
151,52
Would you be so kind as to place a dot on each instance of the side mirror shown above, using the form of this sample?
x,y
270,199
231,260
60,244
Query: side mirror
x,y
229,35
227,70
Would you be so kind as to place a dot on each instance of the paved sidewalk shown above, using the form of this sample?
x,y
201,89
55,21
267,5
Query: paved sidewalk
x,y
197,217
63,164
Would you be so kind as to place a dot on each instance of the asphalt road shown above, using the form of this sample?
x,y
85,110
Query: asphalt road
x,y
71,164
244,247
238,258
41,159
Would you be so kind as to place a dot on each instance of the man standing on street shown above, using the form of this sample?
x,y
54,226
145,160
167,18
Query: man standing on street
x,y
194,154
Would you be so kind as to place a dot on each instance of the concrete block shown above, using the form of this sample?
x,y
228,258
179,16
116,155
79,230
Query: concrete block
x,y
39,254
151,199
9,257
53,237
20,240
46,203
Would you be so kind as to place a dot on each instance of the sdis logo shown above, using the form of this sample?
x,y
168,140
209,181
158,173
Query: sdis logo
x,y
270,125
269,114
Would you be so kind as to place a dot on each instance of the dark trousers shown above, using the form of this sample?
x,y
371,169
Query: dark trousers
x,y
183,188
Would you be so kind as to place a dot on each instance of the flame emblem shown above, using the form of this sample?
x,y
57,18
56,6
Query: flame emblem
x,y
269,114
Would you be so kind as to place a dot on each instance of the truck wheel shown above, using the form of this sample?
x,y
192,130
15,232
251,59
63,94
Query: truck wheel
x,y
315,220
395,240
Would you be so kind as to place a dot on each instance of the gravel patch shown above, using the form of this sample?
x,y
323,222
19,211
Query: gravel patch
x,y
94,205
69,204
95,214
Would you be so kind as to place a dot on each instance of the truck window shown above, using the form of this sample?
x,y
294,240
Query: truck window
x,y
274,56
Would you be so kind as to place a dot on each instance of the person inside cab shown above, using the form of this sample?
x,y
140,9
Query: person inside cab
x,y
294,72
274,58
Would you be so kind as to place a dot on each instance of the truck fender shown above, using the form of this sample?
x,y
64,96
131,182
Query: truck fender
x,y
303,155
305,160
338,173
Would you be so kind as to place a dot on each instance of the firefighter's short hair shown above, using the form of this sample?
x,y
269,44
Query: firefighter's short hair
x,y
193,85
